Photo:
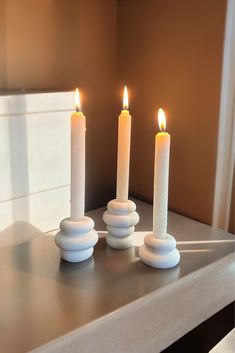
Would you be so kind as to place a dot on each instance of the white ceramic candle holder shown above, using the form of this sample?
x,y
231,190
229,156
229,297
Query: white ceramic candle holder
x,y
76,239
120,218
159,252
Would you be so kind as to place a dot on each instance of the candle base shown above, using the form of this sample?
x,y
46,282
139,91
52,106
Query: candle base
x,y
159,252
120,218
76,239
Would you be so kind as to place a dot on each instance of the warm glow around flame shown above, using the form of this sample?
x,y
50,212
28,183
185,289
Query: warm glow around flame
x,y
125,98
77,100
161,119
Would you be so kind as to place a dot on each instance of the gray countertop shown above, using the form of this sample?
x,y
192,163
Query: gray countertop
x,y
112,302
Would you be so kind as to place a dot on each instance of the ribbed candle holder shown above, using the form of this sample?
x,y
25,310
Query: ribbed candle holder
x,y
120,219
76,239
159,252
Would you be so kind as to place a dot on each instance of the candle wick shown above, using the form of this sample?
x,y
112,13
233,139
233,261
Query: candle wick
x,y
77,110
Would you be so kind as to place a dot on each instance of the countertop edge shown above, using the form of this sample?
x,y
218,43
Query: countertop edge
x,y
129,329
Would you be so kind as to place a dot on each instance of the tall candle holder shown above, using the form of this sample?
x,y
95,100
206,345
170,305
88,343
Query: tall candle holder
x,y
120,218
77,237
159,248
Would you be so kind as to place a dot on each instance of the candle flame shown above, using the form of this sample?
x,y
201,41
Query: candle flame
x,y
77,100
161,119
125,98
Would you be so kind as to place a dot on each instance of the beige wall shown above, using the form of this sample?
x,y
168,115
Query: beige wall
x,y
58,45
170,55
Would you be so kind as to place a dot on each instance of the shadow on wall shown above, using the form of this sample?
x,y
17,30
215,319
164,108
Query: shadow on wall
x,y
21,230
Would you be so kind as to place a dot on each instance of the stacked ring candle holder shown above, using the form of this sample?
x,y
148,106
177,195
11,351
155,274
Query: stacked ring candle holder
x,y
120,219
159,252
76,239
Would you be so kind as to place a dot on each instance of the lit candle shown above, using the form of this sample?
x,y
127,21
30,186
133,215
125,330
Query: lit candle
x,y
123,158
161,178
159,248
78,132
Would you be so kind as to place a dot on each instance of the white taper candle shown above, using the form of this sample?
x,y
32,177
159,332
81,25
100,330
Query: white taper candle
x,y
161,179
123,158
78,132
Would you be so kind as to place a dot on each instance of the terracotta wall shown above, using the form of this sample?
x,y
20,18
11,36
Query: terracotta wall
x,y
170,56
57,45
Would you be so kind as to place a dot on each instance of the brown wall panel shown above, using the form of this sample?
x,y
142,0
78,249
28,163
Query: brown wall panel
x,y
58,45
170,55
3,66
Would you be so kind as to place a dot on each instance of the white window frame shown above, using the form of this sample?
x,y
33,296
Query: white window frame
x,y
226,134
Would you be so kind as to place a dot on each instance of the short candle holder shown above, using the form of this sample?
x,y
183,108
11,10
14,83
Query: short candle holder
x,y
159,252
120,218
76,239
